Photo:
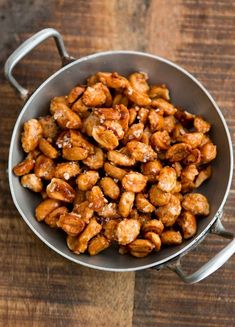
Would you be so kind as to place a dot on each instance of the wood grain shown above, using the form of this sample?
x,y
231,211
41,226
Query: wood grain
x,y
39,288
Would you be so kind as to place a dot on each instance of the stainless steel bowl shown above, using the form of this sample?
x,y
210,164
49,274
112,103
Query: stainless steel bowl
x,y
186,92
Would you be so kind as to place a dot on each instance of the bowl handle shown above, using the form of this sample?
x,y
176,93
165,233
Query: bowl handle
x,y
213,264
26,47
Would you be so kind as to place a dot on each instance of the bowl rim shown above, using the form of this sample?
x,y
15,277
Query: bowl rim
x,y
195,240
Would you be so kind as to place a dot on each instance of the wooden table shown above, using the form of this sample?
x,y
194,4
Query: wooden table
x,y
40,288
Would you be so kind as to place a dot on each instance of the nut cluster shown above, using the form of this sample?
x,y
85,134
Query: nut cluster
x,y
116,161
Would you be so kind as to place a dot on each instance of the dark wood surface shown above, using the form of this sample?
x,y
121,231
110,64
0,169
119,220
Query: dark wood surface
x,y
40,288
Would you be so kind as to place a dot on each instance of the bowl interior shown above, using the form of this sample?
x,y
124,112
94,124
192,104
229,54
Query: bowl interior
x,y
185,93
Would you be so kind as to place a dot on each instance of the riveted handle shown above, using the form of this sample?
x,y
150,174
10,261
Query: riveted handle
x,y
26,47
213,264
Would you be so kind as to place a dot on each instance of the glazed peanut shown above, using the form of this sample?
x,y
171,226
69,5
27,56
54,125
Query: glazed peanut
x,y
127,231
91,230
134,182
170,237
46,207
58,189
71,224
98,244
116,161
110,188
87,180
126,203
31,135
32,182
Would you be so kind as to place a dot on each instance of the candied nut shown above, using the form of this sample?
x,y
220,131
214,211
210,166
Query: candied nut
x,y
49,127
153,225
93,79
80,197
167,179
109,99
60,190
169,212
47,149
203,176
188,224
56,102
98,244
189,173
171,237
177,188
107,113
121,159
143,204
31,135
143,115
24,167
193,158
87,180
79,107
178,168
75,153
67,170
208,152
83,211
119,98
178,132
71,223
151,169
32,182
91,230
110,229
178,152
112,80
140,247
143,218
164,105
113,171
96,160
54,216
185,118
44,167
109,211
96,198
158,197
141,99
157,91
134,213
134,182
146,136
156,121
193,139
155,239
169,124
201,125
138,82
124,121
89,123
115,127
46,207
94,95
110,188
160,140
126,203
75,93
196,203
71,242
67,118
187,186
127,231
140,151
105,137
132,116
135,132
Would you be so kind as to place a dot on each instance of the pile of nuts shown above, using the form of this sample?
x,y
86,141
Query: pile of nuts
x,y
115,161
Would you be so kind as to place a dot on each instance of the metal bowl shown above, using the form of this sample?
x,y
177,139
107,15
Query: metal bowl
x,y
186,92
